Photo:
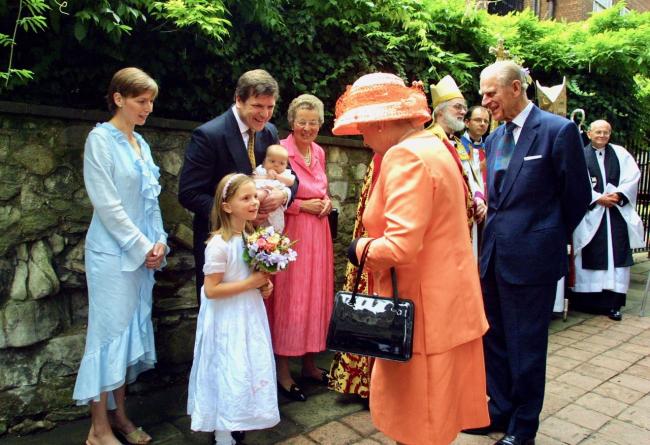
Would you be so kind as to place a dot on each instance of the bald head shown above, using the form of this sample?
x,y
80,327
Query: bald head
x,y
599,133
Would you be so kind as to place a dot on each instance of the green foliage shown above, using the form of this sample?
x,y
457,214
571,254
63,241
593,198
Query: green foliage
x,y
600,57
115,19
196,50
29,18
207,15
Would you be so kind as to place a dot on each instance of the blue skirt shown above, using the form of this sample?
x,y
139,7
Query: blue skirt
x,y
119,340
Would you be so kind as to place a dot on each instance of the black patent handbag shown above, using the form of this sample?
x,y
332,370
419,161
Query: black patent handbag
x,y
372,325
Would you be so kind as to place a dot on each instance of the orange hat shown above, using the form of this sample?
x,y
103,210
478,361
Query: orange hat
x,y
379,97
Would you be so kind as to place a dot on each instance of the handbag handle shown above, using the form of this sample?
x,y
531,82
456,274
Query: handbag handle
x,y
357,280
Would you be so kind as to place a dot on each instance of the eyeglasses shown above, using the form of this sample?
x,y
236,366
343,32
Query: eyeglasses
x,y
304,124
478,120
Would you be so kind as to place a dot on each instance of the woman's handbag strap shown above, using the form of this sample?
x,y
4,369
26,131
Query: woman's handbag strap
x,y
357,281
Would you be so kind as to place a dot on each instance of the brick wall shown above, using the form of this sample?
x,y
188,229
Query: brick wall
x,y
638,5
574,10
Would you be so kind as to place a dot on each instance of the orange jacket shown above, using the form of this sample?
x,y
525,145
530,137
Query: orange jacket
x,y
417,217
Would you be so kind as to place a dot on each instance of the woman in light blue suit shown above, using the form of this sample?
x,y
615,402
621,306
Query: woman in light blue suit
x,y
125,244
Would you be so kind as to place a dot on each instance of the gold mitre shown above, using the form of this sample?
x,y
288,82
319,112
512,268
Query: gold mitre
x,y
444,91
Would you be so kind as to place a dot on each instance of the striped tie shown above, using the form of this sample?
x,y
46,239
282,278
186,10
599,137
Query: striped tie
x,y
251,147
504,151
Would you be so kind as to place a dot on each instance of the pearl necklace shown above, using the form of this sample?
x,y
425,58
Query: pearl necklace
x,y
307,157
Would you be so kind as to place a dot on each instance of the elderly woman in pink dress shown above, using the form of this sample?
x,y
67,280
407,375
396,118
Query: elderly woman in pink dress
x,y
303,294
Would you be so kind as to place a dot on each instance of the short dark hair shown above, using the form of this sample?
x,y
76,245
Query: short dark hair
x,y
256,83
471,109
129,82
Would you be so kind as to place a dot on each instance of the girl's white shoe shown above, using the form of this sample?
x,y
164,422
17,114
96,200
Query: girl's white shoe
x,y
223,438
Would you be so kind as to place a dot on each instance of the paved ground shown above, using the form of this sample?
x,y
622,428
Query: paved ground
x,y
598,393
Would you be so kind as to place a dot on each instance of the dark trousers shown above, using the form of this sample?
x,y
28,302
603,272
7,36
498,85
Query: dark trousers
x,y
199,259
515,351
597,302
200,241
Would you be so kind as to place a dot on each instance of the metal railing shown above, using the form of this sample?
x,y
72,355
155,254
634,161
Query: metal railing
x,y
639,147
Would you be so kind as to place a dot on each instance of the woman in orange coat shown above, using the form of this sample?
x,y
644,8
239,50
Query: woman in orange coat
x,y
417,220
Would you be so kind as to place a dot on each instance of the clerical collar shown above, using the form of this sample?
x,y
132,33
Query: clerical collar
x,y
599,151
472,141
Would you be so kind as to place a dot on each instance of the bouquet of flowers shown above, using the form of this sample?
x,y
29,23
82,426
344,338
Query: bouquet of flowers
x,y
268,251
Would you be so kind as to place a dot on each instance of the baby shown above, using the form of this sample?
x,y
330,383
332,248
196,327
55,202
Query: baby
x,y
274,174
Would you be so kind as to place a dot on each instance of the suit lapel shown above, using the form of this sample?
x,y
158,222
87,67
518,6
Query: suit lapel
x,y
235,145
526,139
491,158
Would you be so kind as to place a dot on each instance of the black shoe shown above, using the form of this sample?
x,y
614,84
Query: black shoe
x,y
239,436
615,315
293,393
324,378
509,439
484,430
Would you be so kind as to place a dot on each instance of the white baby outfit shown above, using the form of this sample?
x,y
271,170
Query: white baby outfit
x,y
276,217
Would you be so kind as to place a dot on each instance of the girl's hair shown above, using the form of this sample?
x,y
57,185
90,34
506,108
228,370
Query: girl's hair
x,y
129,82
219,219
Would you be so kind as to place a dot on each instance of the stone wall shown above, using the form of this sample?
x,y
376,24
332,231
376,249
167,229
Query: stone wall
x,y
44,214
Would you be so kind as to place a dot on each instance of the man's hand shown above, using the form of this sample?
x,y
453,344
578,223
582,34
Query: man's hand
x,y
274,199
270,199
481,209
608,200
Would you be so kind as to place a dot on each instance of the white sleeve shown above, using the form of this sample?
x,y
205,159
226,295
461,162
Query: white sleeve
x,y
216,256
287,173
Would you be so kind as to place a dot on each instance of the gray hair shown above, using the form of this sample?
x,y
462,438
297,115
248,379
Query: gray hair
x,y
439,110
305,102
506,72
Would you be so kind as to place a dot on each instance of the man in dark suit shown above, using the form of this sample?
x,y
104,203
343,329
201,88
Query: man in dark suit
x,y
538,191
235,141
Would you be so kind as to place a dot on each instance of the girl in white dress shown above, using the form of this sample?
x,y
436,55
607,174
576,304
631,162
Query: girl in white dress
x,y
232,383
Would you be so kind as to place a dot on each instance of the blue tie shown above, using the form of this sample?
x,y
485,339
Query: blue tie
x,y
505,148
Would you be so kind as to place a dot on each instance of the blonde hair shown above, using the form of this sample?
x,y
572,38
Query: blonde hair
x,y
219,218
277,149
129,82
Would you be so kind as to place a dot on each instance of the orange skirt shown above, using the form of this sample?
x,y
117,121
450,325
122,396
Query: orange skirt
x,y
429,399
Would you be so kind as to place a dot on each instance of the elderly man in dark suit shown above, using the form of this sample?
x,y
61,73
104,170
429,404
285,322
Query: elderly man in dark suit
x,y
235,141
538,191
